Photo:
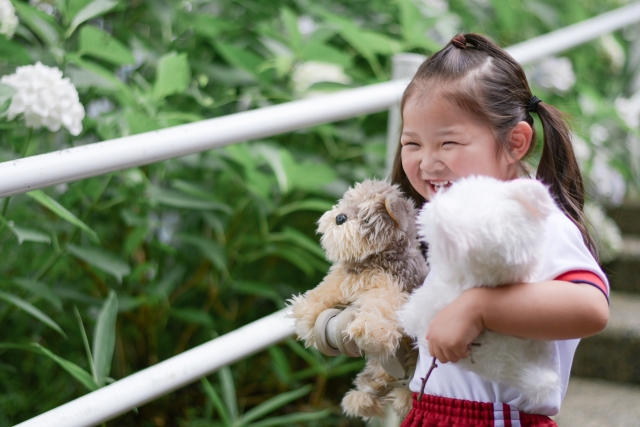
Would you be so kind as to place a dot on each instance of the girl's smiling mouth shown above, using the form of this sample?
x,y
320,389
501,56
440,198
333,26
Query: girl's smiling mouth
x,y
436,186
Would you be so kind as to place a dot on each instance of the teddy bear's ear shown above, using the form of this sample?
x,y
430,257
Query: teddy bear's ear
x,y
533,195
395,209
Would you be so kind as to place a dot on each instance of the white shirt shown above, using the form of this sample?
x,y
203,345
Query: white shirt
x,y
565,252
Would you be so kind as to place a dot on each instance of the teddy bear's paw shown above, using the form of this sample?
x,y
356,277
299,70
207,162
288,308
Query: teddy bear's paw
x,y
358,403
373,336
401,400
304,330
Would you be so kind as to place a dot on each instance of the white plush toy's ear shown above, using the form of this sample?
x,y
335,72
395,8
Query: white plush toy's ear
x,y
533,195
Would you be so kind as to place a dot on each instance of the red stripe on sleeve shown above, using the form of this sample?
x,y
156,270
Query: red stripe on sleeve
x,y
584,277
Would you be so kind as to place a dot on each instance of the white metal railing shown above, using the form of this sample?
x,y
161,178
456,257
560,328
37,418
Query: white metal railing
x,y
45,170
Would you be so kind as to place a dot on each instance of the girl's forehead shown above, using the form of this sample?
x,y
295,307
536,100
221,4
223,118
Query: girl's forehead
x,y
436,111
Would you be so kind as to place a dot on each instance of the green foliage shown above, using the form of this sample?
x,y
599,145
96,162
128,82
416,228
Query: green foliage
x,y
164,257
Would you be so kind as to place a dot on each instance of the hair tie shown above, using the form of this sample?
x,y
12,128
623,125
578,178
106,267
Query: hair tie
x,y
532,107
459,41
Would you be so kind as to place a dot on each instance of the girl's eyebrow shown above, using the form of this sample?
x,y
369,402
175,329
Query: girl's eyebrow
x,y
448,131
408,133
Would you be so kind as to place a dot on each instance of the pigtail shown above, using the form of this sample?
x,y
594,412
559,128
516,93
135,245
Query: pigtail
x,y
559,169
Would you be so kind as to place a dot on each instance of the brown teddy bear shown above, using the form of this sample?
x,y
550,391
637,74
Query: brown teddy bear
x,y
371,238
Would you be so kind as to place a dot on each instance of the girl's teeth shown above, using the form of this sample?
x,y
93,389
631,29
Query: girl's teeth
x,y
440,185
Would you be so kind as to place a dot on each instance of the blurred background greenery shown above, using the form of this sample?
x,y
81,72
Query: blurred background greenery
x,y
146,263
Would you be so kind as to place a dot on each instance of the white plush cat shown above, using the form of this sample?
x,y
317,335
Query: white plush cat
x,y
486,232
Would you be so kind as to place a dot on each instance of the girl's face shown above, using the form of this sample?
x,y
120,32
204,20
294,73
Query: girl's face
x,y
442,143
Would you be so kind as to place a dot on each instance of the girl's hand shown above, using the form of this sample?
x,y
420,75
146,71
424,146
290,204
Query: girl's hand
x,y
455,327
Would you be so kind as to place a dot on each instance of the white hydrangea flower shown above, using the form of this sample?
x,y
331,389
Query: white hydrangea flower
x,y
553,73
306,25
629,109
608,185
604,230
311,72
45,98
8,19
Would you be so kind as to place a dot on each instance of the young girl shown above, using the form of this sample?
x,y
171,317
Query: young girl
x,y
468,112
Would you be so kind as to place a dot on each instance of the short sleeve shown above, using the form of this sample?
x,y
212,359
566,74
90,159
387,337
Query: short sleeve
x,y
566,257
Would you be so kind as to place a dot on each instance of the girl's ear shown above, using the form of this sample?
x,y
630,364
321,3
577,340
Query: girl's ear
x,y
520,140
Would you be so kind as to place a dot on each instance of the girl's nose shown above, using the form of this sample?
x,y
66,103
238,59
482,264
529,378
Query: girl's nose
x,y
431,163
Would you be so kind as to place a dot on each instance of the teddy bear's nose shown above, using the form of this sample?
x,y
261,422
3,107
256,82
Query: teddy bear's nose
x,y
341,219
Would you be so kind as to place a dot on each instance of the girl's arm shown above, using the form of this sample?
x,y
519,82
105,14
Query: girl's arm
x,y
552,310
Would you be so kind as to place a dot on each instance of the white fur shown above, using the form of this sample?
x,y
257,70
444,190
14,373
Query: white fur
x,y
485,232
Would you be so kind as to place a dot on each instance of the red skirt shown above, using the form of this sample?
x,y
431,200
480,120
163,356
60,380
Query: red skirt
x,y
435,411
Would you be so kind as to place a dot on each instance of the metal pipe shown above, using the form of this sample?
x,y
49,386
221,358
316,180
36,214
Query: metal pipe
x,y
403,67
137,389
574,35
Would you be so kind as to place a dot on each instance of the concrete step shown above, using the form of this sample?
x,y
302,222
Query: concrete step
x,y
598,403
627,216
614,354
624,272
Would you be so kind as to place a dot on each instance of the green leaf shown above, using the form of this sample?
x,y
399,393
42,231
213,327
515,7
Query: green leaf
x,y
172,75
102,260
33,311
315,205
414,27
61,211
272,404
29,235
99,44
192,315
243,59
290,419
39,289
273,156
228,392
178,199
77,372
6,93
90,11
85,342
280,364
209,26
318,51
290,21
99,76
14,52
306,175
300,239
213,251
263,290
303,353
104,338
42,25
358,38
217,402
